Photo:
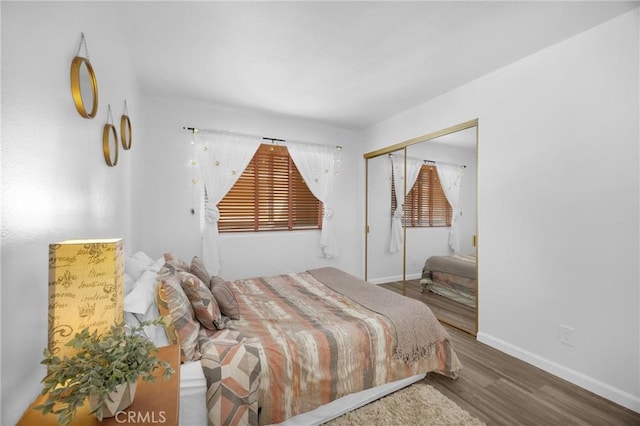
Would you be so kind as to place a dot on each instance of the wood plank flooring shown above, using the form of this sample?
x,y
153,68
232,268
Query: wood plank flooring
x,y
502,390
446,310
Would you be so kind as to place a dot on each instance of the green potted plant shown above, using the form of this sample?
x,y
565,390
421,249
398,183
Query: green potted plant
x,y
105,368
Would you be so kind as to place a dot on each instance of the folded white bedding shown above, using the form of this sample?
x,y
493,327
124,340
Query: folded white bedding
x,y
193,395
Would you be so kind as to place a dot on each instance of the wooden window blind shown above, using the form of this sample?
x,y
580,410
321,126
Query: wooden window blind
x,y
425,205
270,195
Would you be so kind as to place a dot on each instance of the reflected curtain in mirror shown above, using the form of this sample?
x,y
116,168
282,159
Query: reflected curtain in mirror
x,y
405,173
450,179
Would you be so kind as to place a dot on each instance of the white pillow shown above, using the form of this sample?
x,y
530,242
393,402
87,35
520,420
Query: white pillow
x,y
156,265
128,283
140,302
143,294
155,333
131,320
135,264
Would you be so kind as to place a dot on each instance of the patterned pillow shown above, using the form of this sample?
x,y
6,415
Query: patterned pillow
x,y
173,303
197,268
225,298
176,262
204,304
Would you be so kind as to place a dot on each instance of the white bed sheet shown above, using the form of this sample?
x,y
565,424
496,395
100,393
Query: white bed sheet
x,y
193,399
193,395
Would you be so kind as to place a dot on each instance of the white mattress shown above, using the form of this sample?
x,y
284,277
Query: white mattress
x,y
193,395
193,399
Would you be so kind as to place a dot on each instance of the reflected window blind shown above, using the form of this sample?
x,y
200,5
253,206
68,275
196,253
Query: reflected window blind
x,y
425,205
270,196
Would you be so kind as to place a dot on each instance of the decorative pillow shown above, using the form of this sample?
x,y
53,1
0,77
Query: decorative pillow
x,y
225,298
197,268
204,304
131,320
176,262
174,304
156,333
128,283
142,296
156,265
135,264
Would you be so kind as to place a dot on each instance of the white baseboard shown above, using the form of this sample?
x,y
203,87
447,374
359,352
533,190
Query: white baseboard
x,y
392,279
383,280
602,389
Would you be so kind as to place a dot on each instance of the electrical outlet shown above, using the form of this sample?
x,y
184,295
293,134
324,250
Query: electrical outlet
x,y
566,335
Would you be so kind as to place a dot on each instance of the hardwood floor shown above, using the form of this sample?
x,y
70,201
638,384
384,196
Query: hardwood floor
x,y
444,309
502,390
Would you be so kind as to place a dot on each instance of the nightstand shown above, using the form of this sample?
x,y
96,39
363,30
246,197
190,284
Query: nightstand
x,y
156,403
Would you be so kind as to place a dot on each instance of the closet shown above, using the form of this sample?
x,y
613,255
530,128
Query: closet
x,y
399,238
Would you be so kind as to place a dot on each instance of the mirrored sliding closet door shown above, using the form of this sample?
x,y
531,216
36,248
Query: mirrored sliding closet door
x,y
421,229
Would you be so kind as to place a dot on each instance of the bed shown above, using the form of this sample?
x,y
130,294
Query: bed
x,y
280,343
453,277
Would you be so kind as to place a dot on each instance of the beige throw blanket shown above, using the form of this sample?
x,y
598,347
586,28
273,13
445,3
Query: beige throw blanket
x,y
417,328
464,266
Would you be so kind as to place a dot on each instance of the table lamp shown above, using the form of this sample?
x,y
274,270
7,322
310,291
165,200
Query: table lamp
x,y
86,288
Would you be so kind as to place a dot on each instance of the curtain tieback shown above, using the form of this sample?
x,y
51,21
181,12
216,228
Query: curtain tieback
x,y
457,214
211,213
328,212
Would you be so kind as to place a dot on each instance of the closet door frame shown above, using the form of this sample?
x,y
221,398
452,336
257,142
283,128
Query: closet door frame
x,y
402,146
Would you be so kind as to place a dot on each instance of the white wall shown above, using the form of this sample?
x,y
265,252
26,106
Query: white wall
x,y
165,221
561,249
55,183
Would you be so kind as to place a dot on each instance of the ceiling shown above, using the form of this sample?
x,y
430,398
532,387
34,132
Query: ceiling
x,y
345,64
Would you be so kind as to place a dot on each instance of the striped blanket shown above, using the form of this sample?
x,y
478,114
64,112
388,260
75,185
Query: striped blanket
x,y
299,345
453,277
463,265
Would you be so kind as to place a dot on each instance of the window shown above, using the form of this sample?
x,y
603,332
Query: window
x,y
270,196
425,205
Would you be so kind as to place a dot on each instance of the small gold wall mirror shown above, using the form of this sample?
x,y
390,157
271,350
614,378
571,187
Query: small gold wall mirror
x,y
125,129
84,86
110,141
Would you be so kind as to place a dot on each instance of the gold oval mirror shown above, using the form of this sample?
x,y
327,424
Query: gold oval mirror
x,y
84,87
125,132
110,143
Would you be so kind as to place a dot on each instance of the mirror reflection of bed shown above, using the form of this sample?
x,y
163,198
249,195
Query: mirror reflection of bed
x,y
426,266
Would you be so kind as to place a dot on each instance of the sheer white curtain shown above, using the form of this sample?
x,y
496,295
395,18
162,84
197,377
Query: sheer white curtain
x,y
450,176
318,165
223,156
413,167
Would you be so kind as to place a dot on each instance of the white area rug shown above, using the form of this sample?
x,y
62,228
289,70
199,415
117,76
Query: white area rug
x,y
418,404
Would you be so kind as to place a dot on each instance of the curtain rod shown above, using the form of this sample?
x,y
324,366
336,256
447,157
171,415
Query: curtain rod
x,y
434,161
444,162
196,130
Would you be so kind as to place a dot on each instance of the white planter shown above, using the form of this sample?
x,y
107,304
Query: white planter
x,y
120,399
